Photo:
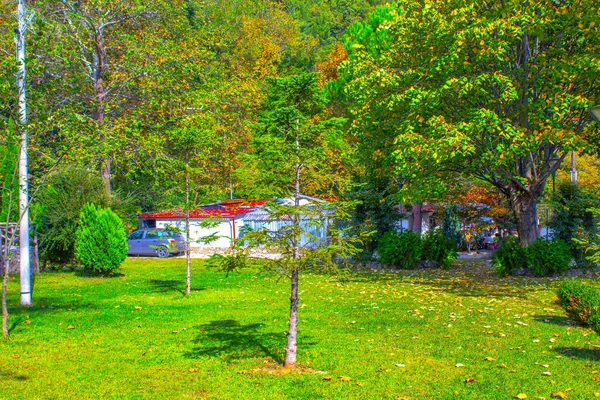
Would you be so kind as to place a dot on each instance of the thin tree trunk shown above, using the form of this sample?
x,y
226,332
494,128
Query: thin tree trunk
x,y
100,93
188,279
5,263
291,346
292,335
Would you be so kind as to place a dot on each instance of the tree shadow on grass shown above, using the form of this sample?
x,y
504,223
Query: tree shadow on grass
x,y
581,353
170,285
231,340
554,320
465,278
14,324
12,375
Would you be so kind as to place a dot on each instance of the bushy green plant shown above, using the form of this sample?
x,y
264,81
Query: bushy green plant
x,y
581,301
510,257
439,248
545,257
451,224
58,209
402,250
101,241
572,220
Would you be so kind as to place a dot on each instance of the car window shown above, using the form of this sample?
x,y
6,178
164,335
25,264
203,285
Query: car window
x,y
152,234
136,235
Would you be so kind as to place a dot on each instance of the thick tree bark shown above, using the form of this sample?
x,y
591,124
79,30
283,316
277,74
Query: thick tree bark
x,y
291,346
525,210
417,218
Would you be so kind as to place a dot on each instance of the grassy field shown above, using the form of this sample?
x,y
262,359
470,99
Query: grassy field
x,y
459,334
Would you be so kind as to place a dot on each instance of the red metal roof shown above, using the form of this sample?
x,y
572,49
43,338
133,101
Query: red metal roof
x,y
227,208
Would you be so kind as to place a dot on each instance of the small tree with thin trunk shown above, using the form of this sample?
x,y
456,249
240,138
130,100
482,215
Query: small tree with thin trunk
x,y
290,143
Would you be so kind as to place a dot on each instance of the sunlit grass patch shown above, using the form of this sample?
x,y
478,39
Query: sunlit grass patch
x,y
424,334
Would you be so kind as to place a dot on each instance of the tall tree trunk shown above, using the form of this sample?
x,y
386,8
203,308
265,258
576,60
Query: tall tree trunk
x,y
417,218
292,335
188,278
525,211
100,93
25,263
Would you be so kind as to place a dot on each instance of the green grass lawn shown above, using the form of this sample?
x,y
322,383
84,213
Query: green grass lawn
x,y
379,335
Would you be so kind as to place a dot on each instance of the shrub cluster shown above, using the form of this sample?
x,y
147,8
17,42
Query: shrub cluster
x,y
402,250
101,241
546,257
542,258
439,249
407,250
581,301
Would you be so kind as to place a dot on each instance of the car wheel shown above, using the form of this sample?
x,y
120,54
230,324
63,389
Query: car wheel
x,y
162,252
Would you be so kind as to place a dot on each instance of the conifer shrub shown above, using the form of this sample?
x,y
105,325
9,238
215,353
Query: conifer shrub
x,y
439,249
510,257
402,250
545,257
581,301
101,241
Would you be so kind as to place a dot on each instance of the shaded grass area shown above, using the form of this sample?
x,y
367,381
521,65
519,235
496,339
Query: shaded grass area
x,y
378,335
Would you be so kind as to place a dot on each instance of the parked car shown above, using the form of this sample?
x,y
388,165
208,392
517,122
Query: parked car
x,y
149,242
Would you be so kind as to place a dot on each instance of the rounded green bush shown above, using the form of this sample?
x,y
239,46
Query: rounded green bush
x,y
546,257
581,301
402,250
510,257
101,241
439,248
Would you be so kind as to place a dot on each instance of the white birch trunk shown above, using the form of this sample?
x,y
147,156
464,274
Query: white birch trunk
x,y
25,268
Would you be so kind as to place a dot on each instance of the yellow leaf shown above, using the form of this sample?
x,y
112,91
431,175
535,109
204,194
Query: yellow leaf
x,y
502,366
559,395
344,378
27,322
469,380
193,370
70,327
326,378
490,359
521,396
138,307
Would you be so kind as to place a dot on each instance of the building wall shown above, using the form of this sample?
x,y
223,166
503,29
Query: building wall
x,y
223,230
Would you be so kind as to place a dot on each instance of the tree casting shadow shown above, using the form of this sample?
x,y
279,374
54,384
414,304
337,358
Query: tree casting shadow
x,y
170,285
581,353
231,340
12,375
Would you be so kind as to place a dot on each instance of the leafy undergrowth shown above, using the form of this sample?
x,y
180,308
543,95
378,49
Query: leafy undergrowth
x,y
426,334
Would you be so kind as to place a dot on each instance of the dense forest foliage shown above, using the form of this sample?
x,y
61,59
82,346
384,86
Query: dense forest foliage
x,y
149,96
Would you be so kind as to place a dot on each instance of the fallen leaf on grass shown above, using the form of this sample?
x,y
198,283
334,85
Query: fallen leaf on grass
x,y
344,378
469,380
400,365
490,359
559,395
16,356
27,322
546,373
520,396
193,370
459,365
138,307
502,366
70,327
326,378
